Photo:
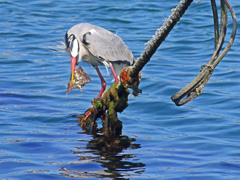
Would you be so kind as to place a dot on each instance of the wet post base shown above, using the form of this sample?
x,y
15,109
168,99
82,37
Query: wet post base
x,y
114,100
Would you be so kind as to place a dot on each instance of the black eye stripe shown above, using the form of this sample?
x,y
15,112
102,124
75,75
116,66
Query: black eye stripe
x,y
67,41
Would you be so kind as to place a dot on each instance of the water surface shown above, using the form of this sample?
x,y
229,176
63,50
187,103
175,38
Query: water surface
x,y
40,137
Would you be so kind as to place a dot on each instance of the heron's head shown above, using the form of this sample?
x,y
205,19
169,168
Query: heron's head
x,y
72,47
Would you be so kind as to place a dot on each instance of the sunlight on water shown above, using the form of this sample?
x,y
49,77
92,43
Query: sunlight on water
x,y
40,137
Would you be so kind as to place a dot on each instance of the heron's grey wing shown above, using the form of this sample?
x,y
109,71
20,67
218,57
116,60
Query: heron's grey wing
x,y
104,44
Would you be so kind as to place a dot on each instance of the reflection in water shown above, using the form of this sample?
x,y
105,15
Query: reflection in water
x,y
109,148
108,151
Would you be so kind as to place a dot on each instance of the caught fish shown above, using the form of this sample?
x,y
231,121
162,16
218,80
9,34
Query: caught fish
x,y
80,79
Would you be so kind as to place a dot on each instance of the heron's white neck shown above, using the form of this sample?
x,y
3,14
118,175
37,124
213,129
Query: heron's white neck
x,y
75,48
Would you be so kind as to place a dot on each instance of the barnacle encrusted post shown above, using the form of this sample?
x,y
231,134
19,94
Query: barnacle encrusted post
x,y
114,100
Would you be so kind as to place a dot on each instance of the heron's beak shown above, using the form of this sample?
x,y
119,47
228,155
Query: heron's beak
x,y
73,66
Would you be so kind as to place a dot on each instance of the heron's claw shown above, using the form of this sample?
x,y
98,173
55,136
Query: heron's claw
x,y
86,122
87,114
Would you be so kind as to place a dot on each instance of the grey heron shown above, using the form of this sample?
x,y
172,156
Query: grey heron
x,y
97,46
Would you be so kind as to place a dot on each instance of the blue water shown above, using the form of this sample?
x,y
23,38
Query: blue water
x,y
39,135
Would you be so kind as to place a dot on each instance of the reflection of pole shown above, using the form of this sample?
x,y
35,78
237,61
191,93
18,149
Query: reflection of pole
x,y
109,148
106,152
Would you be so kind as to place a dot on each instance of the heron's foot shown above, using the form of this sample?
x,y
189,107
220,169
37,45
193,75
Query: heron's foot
x,y
85,119
87,114
87,123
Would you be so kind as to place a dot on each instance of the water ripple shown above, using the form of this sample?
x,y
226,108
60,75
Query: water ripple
x,y
40,137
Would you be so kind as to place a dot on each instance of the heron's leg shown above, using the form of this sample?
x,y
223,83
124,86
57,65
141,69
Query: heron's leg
x,y
104,84
114,74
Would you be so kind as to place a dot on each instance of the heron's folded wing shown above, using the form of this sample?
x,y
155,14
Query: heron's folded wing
x,y
102,43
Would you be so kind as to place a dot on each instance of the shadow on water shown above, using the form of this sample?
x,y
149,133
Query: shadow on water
x,y
108,152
